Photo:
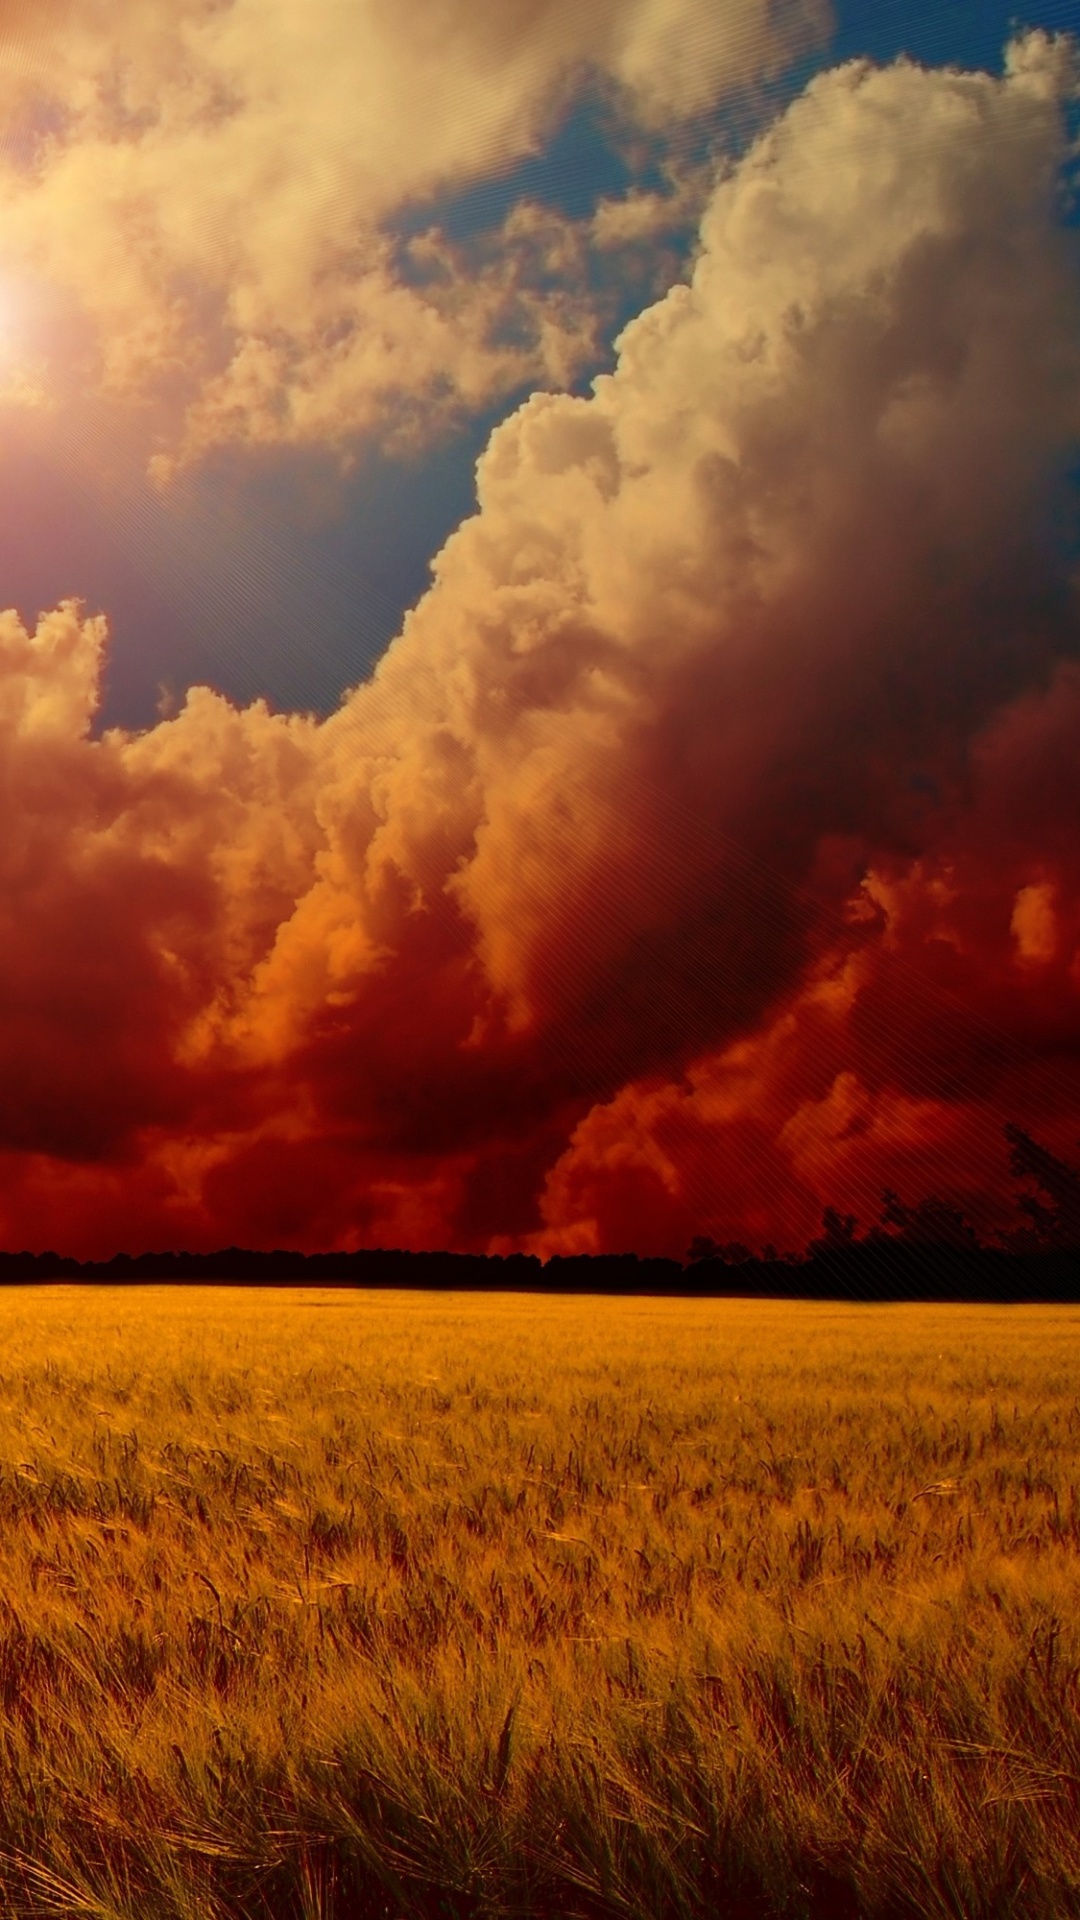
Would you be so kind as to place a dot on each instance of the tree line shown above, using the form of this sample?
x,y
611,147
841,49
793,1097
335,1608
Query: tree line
x,y
925,1251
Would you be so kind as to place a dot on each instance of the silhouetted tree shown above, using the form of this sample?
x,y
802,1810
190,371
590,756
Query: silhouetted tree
x,y
1056,1225
731,1253
932,1222
839,1227
838,1234
702,1248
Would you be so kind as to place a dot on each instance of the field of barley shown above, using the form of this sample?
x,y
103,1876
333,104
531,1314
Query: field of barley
x,y
323,1605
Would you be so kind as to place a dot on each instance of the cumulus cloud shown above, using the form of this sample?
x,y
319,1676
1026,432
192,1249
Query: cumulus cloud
x,y
205,206
638,889
948,1005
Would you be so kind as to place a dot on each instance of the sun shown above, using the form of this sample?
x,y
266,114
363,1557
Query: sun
x,y
24,380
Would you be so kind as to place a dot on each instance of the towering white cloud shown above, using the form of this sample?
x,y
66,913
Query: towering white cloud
x,y
719,641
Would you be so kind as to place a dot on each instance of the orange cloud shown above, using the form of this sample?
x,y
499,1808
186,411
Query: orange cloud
x,y
643,887
948,1005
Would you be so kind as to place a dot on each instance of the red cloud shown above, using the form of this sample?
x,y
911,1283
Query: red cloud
x,y
703,849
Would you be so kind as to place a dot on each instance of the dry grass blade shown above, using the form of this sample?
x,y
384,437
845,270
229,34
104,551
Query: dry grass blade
x,y
506,1606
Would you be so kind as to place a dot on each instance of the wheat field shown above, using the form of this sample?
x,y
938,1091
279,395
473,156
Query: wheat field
x,y
317,1605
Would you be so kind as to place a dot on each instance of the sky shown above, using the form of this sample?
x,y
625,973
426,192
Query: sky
x,y
540,693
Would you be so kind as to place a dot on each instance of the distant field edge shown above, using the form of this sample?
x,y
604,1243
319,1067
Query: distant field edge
x,y
871,1274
